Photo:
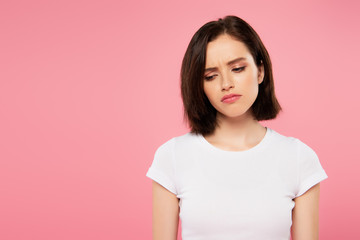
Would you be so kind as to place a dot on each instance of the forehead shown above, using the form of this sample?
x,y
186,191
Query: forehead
x,y
225,48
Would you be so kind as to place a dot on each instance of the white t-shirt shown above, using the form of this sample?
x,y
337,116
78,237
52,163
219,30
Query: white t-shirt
x,y
236,195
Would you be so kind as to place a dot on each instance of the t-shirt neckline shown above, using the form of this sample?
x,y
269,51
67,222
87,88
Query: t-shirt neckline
x,y
264,141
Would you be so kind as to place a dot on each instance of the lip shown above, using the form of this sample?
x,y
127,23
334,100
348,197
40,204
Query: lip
x,y
230,98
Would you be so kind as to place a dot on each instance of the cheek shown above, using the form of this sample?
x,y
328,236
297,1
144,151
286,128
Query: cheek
x,y
211,94
208,90
249,84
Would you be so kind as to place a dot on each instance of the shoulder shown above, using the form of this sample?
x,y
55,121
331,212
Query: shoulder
x,y
305,155
283,141
286,139
290,143
180,141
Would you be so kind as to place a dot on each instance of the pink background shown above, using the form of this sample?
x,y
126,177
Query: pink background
x,y
90,89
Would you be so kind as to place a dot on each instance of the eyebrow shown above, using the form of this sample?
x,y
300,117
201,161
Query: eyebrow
x,y
229,63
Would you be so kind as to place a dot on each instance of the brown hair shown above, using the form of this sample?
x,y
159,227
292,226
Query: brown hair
x,y
198,111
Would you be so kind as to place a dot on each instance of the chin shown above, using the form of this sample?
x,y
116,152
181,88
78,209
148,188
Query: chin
x,y
237,114
234,115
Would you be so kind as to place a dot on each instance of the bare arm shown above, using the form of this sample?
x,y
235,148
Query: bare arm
x,y
165,213
305,215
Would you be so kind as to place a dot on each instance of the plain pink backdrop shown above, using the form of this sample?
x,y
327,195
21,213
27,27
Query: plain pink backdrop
x,y
90,89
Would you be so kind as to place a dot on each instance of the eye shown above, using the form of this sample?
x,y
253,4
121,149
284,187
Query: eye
x,y
239,69
208,78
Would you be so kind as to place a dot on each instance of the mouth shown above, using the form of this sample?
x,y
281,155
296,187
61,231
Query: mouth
x,y
230,98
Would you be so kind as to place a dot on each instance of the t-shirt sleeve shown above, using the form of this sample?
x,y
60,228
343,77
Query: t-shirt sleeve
x,y
310,171
162,169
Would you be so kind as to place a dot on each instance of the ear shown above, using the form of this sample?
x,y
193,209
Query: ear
x,y
261,73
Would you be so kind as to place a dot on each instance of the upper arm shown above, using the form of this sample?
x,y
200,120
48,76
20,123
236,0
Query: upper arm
x,y
165,213
305,215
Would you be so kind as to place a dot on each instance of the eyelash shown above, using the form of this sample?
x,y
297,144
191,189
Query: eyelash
x,y
239,69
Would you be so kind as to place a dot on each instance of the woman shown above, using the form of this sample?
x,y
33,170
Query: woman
x,y
230,177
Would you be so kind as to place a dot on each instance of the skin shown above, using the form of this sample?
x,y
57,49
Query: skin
x,y
165,215
237,131
236,122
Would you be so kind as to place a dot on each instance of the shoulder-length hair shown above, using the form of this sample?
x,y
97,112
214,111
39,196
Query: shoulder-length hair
x,y
198,111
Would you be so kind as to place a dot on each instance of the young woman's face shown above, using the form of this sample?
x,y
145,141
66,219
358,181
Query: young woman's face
x,y
231,69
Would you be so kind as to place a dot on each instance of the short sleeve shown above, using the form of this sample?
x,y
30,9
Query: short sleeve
x,y
310,171
162,169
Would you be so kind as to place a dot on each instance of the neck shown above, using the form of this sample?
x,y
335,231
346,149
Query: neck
x,y
241,127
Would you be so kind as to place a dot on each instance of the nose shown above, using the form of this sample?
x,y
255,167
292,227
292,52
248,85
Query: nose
x,y
227,82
